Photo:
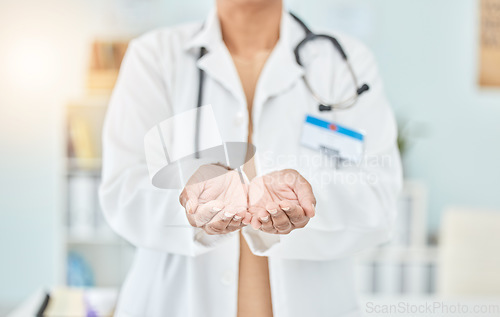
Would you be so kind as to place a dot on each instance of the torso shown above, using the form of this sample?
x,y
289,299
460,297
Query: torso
x,y
254,291
167,282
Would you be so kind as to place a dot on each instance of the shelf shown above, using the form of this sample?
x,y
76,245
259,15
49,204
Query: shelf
x,y
402,254
99,99
102,80
84,167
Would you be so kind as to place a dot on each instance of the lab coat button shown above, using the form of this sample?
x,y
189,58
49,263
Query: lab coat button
x,y
240,118
227,278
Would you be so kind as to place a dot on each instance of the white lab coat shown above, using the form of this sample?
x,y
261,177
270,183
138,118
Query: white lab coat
x,y
181,271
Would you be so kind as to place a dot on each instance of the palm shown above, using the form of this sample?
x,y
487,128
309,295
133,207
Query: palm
x,y
226,188
215,183
270,188
281,202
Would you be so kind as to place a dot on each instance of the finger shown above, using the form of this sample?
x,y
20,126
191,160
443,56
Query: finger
x,y
295,213
266,222
305,195
206,212
235,223
278,216
247,219
192,220
254,221
219,223
260,217
189,200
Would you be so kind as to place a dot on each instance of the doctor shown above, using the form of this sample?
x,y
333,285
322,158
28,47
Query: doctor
x,y
286,252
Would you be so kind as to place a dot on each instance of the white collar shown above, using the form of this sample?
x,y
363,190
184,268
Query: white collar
x,y
279,73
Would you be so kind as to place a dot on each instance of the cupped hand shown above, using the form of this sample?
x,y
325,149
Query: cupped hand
x,y
281,202
215,199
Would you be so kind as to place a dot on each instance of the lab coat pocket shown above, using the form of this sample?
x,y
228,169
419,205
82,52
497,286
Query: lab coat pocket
x,y
321,172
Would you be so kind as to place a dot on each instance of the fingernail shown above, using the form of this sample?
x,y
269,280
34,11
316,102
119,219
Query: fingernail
x,y
286,208
228,214
314,208
216,209
237,218
273,211
265,219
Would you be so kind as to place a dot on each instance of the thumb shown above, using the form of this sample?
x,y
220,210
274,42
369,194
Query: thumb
x,y
305,196
189,200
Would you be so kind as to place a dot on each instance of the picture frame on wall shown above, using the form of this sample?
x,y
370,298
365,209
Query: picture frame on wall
x,y
489,55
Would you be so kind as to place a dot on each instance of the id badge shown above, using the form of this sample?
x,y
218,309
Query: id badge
x,y
333,139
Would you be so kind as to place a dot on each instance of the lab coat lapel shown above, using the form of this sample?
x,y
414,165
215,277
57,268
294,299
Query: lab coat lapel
x,y
279,74
217,62
281,70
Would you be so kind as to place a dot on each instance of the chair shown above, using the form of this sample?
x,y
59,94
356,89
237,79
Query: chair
x,y
469,259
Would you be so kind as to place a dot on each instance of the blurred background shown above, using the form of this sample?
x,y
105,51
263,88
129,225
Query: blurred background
x,y
58,63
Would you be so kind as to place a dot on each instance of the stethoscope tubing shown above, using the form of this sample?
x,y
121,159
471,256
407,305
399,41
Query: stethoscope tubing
x,y
324,105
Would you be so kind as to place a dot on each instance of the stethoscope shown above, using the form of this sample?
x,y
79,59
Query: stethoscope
x,y
324,105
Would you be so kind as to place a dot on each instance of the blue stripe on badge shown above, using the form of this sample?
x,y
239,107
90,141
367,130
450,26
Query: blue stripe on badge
x,y
334,127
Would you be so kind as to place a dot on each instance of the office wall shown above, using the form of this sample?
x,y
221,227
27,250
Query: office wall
x,y
44,47
31,152
428,55
427,51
